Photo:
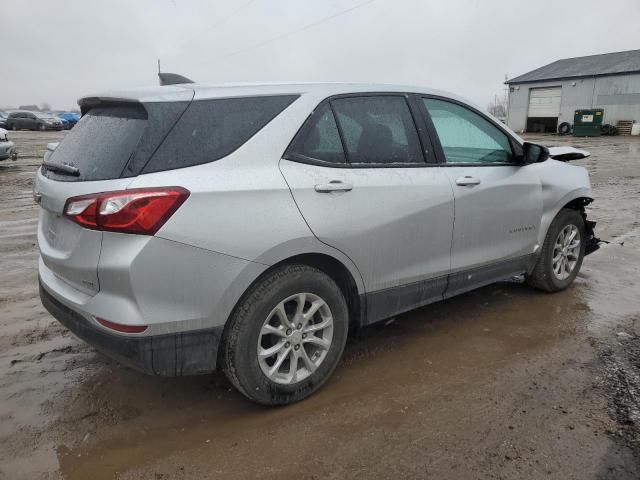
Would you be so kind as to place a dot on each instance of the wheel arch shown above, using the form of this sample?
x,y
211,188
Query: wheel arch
x,y
576,199
578,203
340,274
330,265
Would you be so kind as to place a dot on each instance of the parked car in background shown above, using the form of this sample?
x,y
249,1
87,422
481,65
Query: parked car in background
x,y
7,147
251,227
3,119
25,120
65,123
70,117
51,121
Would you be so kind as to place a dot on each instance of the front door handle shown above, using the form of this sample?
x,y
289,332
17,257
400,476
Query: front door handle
x,y
333,186
467,181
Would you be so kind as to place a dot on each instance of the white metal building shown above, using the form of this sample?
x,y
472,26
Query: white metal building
x,y
542,99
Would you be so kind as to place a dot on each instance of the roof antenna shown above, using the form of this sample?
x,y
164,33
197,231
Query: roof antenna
x,y
171,78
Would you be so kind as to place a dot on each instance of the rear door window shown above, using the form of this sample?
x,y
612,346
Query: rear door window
x,y
212,129
378,129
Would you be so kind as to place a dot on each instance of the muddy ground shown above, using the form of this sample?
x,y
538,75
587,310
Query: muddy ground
x,y
504,382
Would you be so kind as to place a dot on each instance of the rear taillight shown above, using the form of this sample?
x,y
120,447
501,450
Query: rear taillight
x,y
139,210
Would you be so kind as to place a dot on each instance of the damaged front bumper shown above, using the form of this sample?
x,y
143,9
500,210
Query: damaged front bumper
x,y
592,242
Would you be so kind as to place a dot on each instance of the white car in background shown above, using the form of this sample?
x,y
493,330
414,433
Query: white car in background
x,y
7,147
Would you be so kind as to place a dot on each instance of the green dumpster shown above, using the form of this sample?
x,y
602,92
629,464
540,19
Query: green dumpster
x,y
587,123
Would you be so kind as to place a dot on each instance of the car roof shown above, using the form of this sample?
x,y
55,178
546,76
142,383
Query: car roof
x,y
198,91
317,90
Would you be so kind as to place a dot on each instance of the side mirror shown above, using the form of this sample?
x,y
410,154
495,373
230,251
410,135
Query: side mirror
x,y
534,153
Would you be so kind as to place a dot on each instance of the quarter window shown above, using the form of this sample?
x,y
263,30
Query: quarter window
x,y
378,129
465,136
320,140
212,129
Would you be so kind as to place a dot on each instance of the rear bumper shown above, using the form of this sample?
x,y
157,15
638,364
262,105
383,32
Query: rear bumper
x,y
175,354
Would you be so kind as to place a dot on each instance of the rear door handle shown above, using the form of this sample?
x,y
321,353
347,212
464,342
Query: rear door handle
x,y
467,181
333,186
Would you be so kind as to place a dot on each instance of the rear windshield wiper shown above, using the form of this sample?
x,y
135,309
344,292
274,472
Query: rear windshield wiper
x,y
62,168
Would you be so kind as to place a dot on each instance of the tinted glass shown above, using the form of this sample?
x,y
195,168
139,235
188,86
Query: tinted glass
x,y
101,144
465,136
378,130
212,129
320,140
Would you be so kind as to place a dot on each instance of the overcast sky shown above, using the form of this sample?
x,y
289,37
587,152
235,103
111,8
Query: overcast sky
x,y
57,51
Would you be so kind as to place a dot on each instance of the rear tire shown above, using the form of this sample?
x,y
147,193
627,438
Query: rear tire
x,y
560,258
313,343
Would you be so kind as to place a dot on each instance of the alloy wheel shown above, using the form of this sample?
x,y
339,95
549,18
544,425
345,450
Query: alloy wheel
x,y
566,251
295,338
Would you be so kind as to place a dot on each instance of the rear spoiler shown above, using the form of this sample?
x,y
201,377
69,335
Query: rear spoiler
x,y
88,103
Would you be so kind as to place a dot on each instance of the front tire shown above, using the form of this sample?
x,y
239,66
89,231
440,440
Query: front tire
x,y
286,336
562,253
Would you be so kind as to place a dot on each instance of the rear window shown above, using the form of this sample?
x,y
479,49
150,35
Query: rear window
x,y
101,144
212,129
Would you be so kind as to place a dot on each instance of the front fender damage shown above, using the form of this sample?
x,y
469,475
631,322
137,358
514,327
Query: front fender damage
x,y
592,242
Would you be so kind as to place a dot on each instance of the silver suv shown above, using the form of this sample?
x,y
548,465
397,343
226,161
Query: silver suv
x,y
250,228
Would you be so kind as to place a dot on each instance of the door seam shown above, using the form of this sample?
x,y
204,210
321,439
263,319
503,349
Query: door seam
x,y
293,198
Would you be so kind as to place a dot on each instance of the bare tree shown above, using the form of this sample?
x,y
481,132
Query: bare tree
x,y
498,108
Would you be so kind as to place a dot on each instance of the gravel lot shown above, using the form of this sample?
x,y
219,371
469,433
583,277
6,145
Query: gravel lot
x,y
503,382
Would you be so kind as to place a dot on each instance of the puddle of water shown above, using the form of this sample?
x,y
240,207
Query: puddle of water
x,y
423,358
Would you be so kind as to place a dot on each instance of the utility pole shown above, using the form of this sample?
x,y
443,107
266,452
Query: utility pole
x,y
158,65
506,97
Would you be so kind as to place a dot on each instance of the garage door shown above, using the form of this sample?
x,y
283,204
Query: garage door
x,y
544,102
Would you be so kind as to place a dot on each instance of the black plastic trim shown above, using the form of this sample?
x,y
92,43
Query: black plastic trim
x,y
389,302
186,353
396,300
470,279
